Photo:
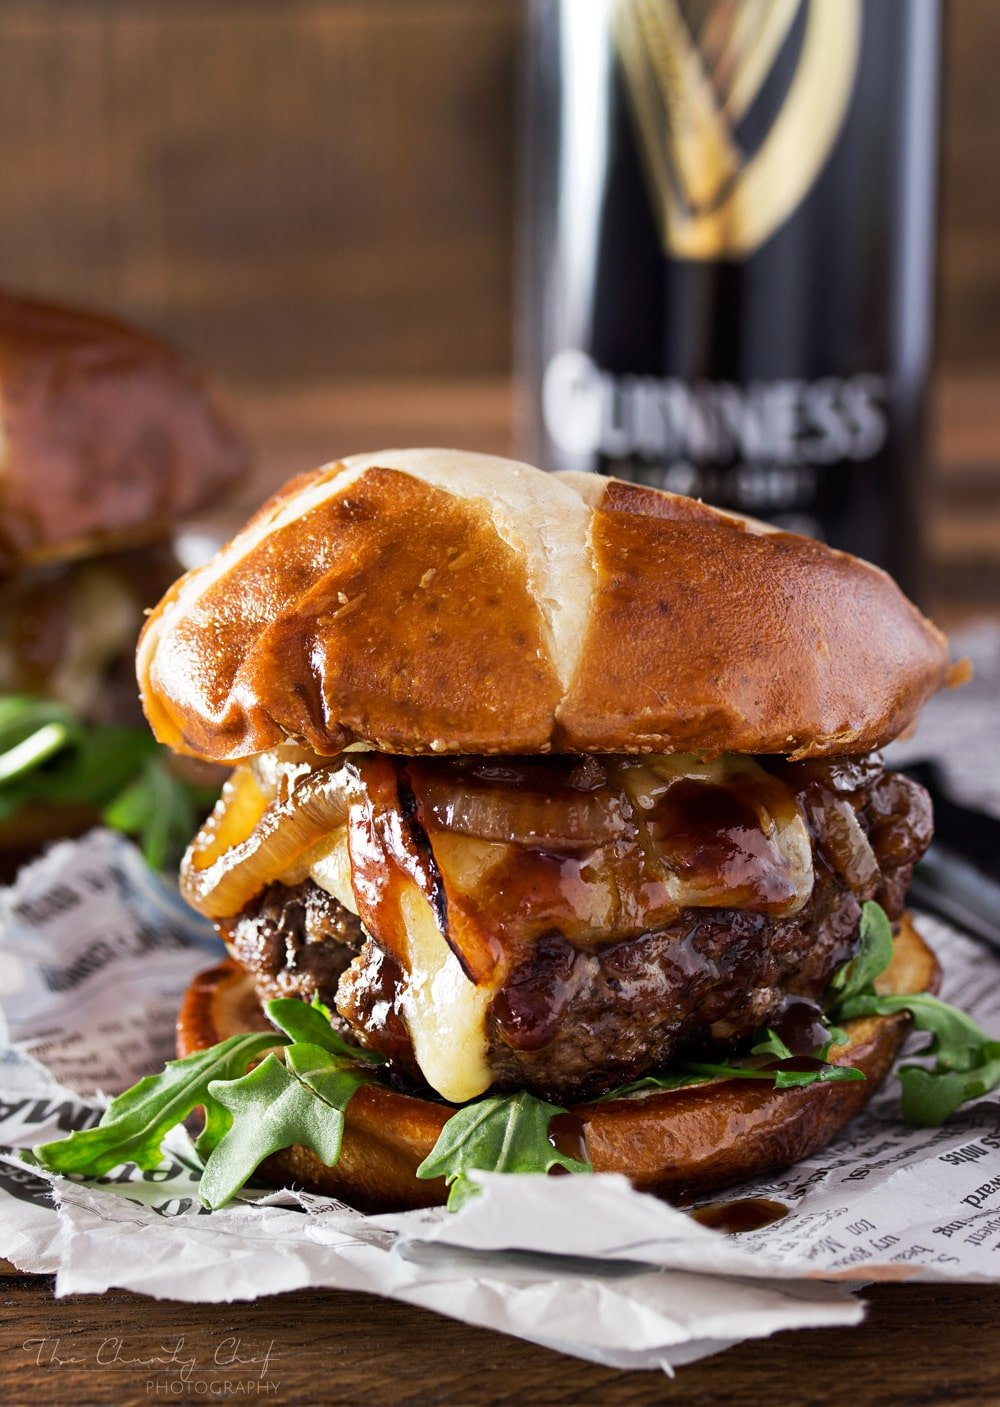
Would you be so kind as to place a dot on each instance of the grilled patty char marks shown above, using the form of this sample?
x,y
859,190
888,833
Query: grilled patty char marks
x,y
571,1022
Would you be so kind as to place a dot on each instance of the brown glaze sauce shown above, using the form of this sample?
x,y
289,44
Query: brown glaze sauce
x,y
800,1024
704,834
568,1135
712,835
744,1214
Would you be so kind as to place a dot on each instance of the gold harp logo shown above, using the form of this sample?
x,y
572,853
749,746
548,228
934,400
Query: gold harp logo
x,y
694,71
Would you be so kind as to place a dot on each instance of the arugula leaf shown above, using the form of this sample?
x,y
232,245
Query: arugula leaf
x,y
788,1079
930,1096
217,1123
21,715
87,769
967,1060
695,1072
783,1079
771,1044
501,1133
158,807
276,1105
247,1116
857,977
669,1080
134,1125
96,765
330,1079
312,1025
958,1040
33,750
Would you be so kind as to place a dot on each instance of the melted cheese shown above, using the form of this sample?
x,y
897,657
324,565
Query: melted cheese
x,y
467,860
330,868
445,1013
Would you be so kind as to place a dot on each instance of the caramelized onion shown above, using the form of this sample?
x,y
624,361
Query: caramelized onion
x,y
238,809
563,821
846,846
218,877
277,772
724,833
717,834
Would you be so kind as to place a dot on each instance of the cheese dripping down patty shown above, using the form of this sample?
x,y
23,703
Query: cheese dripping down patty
x,y
444,1012
457,935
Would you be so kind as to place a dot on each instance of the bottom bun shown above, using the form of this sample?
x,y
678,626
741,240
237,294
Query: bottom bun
x,y
678,1144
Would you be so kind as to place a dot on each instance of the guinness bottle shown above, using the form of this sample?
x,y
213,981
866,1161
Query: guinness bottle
x,y
727,263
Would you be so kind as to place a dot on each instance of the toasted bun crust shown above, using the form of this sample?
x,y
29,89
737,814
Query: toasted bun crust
x,y
684,1142
438,601
107,436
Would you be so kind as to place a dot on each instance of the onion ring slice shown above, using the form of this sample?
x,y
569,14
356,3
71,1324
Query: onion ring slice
x,y
546,820
219,878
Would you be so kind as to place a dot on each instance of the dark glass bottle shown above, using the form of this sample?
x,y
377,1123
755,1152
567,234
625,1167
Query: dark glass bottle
x,y
727,254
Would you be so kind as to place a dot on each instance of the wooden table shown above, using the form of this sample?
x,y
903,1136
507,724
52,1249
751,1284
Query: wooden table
x,y
920,1344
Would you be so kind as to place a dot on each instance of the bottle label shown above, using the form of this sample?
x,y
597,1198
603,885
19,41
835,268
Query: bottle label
x,y
755,445
737,108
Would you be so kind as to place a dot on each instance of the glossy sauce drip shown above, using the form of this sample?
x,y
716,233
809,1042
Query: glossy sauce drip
x,y
744,1214
387,851
567,1134
524,863
610,848
442,993
711,836
800,1024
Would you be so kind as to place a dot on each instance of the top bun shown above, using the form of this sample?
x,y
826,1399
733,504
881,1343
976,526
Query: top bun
x,y
107,436
437,601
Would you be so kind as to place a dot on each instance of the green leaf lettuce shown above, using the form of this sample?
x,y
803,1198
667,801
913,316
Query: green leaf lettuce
x,y
501,1133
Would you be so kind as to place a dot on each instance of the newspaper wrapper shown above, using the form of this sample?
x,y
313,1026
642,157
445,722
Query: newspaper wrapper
x,y
94,955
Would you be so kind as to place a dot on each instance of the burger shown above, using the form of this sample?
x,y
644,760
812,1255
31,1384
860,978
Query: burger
x,y
108,438
556,837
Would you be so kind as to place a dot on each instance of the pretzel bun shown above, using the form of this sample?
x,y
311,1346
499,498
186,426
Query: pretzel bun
x,y
679,1143
107,436
438,601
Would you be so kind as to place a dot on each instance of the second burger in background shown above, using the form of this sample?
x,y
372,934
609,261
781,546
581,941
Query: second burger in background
x,y
109,439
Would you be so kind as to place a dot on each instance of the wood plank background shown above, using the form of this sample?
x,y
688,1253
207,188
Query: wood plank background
x,y
292,190
324,188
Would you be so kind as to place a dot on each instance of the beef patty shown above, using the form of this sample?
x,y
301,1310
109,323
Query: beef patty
x,y
572,1021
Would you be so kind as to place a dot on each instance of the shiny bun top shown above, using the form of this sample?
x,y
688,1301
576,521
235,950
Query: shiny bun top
x,y
429,600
